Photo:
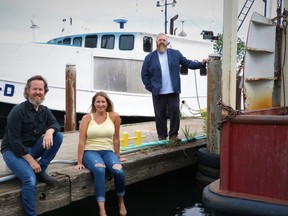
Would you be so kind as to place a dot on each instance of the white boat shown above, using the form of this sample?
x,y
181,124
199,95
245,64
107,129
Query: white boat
x,y
107,61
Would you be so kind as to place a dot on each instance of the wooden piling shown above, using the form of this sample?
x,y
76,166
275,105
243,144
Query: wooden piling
x,y
70,115
214,80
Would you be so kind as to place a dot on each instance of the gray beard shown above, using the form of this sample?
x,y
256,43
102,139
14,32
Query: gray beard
x,y
162,49
35,103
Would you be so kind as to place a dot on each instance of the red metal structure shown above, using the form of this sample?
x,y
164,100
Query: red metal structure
x,y
254,157
253,164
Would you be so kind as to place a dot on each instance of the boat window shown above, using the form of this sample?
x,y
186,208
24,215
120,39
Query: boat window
x,y
60,42
53,41
77,41
91,41
126,42
67,41
147,44
107,41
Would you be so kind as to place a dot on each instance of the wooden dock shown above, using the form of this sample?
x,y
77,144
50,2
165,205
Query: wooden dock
x,y
74,185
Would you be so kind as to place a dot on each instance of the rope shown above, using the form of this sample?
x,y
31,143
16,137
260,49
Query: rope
x,y
193,111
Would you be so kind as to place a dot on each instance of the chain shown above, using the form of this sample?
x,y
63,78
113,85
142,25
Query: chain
x,y
231,113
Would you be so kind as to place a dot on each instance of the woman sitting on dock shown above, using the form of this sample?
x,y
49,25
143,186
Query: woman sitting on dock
x,y
99,147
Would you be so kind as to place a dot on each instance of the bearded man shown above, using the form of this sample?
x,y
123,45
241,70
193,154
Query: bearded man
x,y
161,76
32,132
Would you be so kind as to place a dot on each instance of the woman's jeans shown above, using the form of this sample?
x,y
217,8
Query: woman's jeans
x,y
21,168
97,162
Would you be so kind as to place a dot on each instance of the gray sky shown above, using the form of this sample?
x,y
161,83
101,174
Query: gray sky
x,y
96,15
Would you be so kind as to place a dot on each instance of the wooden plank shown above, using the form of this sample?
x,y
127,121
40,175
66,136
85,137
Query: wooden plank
x,y
75,185
48,197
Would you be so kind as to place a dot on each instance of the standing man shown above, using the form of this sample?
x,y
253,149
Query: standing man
x,y
32,132
161,76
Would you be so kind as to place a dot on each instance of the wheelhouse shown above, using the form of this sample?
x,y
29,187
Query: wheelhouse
x,y
113,41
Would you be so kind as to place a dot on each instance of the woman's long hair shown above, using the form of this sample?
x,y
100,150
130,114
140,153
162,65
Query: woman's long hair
x,y
110,107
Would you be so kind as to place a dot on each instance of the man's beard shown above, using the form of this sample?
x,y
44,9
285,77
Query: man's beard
x,y
36,102
162,48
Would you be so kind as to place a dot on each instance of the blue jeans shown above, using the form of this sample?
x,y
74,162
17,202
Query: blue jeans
x,y
21,168
97,162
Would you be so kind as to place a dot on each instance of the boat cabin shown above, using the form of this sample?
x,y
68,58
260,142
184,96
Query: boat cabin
x,y
120,41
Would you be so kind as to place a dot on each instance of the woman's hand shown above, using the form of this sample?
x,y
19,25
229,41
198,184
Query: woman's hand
x,y
80,166
122,159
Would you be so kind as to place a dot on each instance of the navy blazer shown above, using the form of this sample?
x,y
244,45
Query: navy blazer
x,y
151,70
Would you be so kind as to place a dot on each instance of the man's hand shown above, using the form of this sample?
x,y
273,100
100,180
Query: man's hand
x,y
205,61
33,163
48,139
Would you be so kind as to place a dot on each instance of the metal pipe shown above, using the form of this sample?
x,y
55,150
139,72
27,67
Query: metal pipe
x,y
158,143
12,176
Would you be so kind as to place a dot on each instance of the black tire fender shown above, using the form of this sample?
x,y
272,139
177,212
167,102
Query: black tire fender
x,y
208,159
209,171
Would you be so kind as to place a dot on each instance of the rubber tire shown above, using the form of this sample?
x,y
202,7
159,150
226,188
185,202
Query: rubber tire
x,y
204,179
209,171
208,159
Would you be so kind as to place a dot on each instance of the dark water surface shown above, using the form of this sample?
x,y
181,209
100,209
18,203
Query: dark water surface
x,y
178,193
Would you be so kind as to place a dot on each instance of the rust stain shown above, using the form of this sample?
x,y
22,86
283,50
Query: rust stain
x,y
259,102
260,78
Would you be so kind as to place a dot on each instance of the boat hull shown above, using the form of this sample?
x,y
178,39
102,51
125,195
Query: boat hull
x,y
114,71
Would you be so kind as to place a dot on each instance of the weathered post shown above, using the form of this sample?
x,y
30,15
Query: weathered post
x,y
70,116
209,157
214,93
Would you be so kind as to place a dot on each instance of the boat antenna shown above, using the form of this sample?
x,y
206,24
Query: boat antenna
x,y
121,21
34,27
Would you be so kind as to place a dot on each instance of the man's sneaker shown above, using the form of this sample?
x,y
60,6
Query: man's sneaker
x,y
45,178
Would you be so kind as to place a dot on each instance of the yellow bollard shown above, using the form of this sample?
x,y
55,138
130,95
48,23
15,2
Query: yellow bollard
x,y
137,137
124,139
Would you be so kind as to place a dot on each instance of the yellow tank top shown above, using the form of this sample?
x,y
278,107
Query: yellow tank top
x,y
100,136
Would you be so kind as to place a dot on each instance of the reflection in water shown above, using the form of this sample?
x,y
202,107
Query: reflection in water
x,y
174,194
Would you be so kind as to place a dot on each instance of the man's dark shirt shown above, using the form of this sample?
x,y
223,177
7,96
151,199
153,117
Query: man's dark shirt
x,y
25,126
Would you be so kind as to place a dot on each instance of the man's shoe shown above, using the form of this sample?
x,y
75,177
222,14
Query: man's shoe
x,y
45,178
175,139
161,137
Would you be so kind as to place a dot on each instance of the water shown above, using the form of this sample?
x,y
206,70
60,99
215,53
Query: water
x,y
178,193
